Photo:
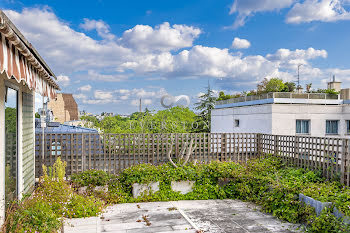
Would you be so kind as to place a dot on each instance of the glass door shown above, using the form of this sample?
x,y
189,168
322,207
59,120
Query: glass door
x,y
11,147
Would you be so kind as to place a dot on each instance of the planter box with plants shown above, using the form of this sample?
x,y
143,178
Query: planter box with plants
x,y
183,187
328,195
318,205
144,189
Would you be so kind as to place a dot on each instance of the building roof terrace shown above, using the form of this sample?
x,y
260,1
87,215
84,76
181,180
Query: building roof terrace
x,y
281,98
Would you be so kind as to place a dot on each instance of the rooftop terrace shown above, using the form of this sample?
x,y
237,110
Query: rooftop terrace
x,y
281,97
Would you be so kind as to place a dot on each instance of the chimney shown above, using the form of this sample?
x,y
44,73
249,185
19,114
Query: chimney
x,y
334,85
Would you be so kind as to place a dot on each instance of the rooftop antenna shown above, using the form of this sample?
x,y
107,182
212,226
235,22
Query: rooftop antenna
x,y
299,74
299,88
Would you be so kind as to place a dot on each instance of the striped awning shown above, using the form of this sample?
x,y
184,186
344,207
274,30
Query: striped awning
x,y
18,62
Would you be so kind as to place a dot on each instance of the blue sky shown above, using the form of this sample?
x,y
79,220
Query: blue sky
x,y
111,53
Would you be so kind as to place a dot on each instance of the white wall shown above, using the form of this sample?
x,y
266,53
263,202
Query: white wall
x,y
252,119
284,118
280,119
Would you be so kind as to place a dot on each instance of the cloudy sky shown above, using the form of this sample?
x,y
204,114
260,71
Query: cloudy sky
x,y
111,53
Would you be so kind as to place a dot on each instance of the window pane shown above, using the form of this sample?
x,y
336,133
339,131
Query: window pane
x,y
332,127
11,146
305,126
302,126
298,126
336,127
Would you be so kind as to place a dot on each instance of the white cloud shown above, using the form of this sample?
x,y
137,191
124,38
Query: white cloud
x,y
238,43
147,101
101,27
99,94
135,102
301,10
80,96
152,52
318,10
246,8
118,77
139,93
65,49
85,88
63,80
100,101
161,38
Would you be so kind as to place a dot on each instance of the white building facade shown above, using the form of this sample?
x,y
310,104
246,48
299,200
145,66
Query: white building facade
x,y
306,115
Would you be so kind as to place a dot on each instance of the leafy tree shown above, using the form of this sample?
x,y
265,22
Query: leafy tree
x,y
275,85
173,120
205,105
37,115
308,87
289,87
91,121
223,96
327,91
11,120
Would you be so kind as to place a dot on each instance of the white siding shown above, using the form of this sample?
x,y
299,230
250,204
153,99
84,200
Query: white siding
x,y
252,119
280,119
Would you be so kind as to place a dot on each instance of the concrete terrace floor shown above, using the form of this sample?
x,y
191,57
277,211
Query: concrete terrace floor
x,y
217,216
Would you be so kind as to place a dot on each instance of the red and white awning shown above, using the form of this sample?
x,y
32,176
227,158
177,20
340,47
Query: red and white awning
x,y
18,62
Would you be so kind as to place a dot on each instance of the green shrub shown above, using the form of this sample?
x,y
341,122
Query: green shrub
x,y
325,192
52,200
343,202
91,178
327,222
82,206
31,215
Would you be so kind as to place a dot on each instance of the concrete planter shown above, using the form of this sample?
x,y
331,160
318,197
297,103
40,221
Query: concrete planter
x,y
183,187
224,181
139,189
318,205
82,190
101,188
339,214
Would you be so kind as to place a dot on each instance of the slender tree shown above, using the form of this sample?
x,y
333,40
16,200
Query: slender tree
x,y
204,106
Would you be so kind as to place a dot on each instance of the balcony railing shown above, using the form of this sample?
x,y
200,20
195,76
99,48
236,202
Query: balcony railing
x,y
272,95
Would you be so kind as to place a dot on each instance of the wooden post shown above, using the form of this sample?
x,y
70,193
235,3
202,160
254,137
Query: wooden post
x,y
276,151
344,155
257,145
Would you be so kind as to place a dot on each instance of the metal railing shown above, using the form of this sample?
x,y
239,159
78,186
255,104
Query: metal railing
x,y
288,95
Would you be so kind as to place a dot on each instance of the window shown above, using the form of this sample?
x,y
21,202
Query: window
x,y
303,126
348,126
236,123
332,127
11,142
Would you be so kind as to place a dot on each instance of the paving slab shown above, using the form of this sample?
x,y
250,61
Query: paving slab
x,y
216,216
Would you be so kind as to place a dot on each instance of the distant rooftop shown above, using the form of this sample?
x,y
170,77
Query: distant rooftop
x,y
281,97
56,127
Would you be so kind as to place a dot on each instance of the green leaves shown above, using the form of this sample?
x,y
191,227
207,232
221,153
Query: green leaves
x,y
91,178
52,200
